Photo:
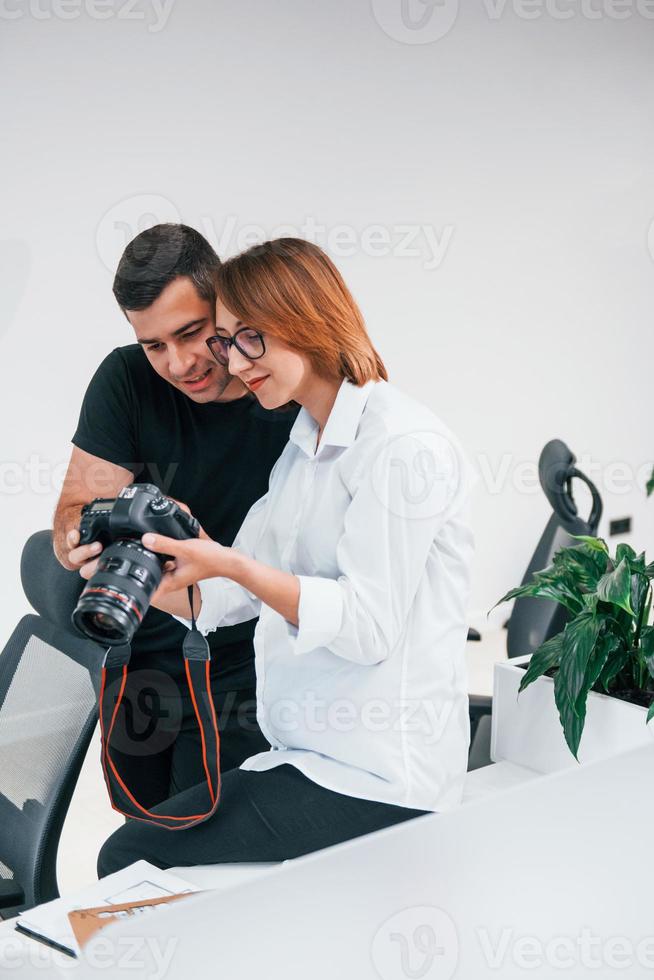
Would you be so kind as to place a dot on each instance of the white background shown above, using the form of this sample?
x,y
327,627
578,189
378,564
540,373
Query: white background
x,y
523,138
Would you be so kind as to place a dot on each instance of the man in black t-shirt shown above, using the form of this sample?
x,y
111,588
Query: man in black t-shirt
x,y
163,411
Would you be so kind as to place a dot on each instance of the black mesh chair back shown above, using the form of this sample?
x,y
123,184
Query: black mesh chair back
x,y
533,621
49,682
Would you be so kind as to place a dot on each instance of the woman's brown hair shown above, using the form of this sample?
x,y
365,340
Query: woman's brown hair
x,y
290,289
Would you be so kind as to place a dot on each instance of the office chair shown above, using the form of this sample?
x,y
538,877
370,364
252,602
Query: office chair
x,y
49,682
534,620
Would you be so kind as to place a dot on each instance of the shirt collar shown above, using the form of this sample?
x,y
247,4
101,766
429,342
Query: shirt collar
x,y
342,424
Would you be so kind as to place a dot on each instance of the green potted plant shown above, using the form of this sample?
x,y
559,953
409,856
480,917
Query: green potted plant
x,y
604,657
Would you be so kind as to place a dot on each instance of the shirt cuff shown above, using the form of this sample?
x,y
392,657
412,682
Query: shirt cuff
x,y
320,613
213,609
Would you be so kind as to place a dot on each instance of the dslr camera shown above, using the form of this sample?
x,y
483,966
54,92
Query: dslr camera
x,y
117,597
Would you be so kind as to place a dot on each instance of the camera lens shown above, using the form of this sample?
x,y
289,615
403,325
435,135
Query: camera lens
x,y
115,600
103,624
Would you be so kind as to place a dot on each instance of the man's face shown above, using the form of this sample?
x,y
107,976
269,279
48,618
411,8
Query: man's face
x,y
172,332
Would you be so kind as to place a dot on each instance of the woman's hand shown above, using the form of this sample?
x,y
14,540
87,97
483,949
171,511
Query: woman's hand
x,y
194,559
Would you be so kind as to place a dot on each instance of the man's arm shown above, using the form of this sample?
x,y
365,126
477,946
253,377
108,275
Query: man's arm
x,y
87,477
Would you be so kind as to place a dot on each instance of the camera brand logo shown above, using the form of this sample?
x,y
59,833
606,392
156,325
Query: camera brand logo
x,y
419,943
127,219
416,21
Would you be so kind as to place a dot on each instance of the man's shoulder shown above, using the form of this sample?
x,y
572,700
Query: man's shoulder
x,y
128,358
126,370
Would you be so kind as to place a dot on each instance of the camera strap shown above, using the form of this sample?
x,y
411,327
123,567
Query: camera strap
x,y
197,661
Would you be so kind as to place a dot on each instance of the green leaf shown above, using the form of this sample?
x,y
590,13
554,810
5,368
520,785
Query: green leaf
x,y
547,655
572,678
545,585
647,640
639,591
580,665
615,587
607,644
618,659
579,640
624,551
649,487
572,725
650,713
595,544
579,567
647,646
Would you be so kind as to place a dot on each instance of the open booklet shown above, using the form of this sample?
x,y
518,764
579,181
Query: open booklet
x,y
127,892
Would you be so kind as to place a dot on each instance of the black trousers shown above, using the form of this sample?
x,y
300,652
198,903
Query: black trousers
x,y
262,816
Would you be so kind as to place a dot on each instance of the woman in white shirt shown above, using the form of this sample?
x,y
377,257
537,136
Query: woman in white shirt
x,y
356,562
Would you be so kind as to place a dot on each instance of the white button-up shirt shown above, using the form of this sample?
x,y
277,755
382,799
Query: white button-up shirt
x,y
368,695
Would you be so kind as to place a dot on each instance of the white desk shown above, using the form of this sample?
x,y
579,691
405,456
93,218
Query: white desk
x,y
24,956
563,882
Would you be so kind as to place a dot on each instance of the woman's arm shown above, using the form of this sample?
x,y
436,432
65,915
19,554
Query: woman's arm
x,y
196,560
277,589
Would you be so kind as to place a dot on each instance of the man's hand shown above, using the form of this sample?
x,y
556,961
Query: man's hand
x,y
82,558
87,477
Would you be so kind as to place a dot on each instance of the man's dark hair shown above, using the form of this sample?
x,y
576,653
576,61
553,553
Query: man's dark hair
x,y
157,256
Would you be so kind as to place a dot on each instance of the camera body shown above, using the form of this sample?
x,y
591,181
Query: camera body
x,y
116,598
138,508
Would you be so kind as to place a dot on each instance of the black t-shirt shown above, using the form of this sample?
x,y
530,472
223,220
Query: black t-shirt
x,y
215,457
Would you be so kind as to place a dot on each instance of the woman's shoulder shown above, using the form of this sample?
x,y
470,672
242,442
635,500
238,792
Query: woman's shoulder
x,y
391,412
401,435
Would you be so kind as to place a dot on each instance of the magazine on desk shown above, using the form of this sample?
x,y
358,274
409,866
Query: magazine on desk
x,y
67,923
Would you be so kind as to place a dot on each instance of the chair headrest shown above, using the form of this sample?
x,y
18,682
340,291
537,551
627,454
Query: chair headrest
x,y
556,471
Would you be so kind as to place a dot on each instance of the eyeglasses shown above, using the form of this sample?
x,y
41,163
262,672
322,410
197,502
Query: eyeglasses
x,y
247,341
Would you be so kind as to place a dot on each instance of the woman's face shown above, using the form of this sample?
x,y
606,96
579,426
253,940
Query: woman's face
x,y
277,377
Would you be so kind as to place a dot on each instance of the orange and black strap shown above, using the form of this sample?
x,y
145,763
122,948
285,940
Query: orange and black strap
x,y
197,661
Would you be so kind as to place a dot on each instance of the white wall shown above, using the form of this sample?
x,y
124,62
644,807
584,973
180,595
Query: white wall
x,y
524,145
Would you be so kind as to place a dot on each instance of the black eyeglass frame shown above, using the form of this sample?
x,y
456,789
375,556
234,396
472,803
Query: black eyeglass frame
x,y
232,341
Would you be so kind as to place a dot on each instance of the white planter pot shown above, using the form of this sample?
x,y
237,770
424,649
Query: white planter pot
x,y
527,731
